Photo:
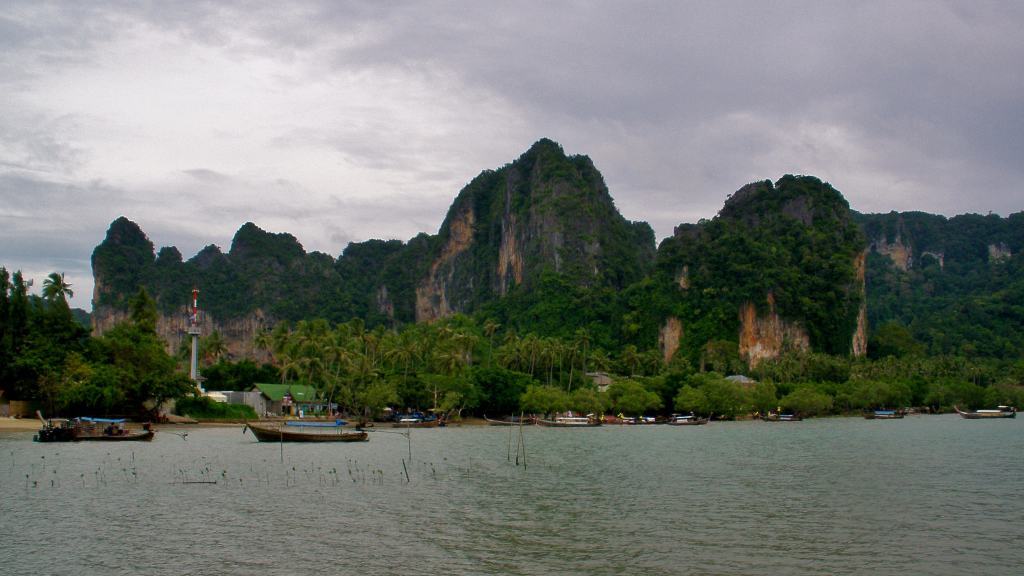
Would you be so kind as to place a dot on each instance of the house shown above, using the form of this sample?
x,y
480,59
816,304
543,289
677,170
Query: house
x,y
287,399
601,379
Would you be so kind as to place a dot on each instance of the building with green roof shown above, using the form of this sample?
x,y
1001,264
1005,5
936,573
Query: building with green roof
x,y
289,399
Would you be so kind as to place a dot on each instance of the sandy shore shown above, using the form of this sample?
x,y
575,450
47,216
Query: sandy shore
x,y
19,424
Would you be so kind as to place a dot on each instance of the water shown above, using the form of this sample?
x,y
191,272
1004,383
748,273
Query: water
x,y
922,495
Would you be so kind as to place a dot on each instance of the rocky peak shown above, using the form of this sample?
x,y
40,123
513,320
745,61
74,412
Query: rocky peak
x,y
251,241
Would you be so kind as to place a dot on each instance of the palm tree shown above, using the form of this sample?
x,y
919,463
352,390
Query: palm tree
x,y
55,288
490,327
213,347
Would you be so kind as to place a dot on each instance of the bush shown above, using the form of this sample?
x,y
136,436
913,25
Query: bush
x,y
202,408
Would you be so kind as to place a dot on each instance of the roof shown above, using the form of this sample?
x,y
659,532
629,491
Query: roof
x,y
276,392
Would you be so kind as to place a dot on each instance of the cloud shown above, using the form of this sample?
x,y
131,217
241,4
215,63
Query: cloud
x,y
341,121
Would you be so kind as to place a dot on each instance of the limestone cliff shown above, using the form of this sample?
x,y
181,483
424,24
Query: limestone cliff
x,y
432,293
859,345
669,337
765,336
545,212
780,268
902,255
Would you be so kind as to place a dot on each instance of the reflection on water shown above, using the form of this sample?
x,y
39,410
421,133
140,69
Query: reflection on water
x,y
922,495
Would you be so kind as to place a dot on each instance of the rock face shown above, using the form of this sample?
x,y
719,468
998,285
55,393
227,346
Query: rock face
x,y
859,345
998,252
901,254
765,274
765,336
545,212
669,337
432,293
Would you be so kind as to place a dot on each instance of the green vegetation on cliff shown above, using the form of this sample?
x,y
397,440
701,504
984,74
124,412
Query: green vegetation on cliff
x,y
954,286
793,240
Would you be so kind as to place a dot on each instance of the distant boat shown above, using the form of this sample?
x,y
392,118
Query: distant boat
x,y
293,431
412,422
510,421
91,429
570,422
1000,412
773,417
687,420
883,414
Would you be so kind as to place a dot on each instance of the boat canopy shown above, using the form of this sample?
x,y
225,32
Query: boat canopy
x,y
334,424
102,420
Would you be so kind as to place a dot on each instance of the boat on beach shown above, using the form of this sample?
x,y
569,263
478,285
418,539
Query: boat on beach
x,y
570,422
432,422
999,412
91,429
511,421
883,414
298,431
778,417
687,420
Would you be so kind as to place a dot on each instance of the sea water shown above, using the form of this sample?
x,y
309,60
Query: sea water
x,y
921,495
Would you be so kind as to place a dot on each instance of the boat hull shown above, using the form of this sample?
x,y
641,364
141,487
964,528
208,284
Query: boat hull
x,y
557,424
782,418
524,421
987,415
691,422
142,436
279,433
422,424
883,415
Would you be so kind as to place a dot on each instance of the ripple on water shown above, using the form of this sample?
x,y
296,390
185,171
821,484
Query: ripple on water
x,y
934,495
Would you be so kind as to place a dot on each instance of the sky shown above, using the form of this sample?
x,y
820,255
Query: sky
x,y
343,121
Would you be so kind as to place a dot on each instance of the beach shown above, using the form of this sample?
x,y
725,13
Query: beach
x,y
19,424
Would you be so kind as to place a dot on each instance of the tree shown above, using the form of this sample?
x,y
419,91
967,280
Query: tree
x,y
544,400
764,397
725,398
690,399
213,347
56,288
893,339
630,397
588,401
807,401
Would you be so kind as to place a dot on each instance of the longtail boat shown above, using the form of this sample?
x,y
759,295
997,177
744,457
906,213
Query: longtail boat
x,y
1000,412
570,422
296,431
511,421
433,422
773,417
883,414
91,429
687,420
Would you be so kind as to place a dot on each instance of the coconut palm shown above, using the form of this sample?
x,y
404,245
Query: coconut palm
x,y
55,288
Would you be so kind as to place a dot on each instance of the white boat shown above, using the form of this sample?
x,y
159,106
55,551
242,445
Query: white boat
x,y
570,421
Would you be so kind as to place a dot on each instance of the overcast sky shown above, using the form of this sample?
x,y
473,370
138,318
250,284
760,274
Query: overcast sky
x,y
340,122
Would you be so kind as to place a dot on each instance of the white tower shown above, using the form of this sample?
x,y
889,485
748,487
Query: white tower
x,y
193,330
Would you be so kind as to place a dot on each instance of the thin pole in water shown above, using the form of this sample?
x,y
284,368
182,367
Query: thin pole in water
x,y
280,431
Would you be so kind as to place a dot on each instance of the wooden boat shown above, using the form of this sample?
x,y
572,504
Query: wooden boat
x,y
1000,412
293,431
91,429
883,414
687,420
570,422
417,423
773,417
511,421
